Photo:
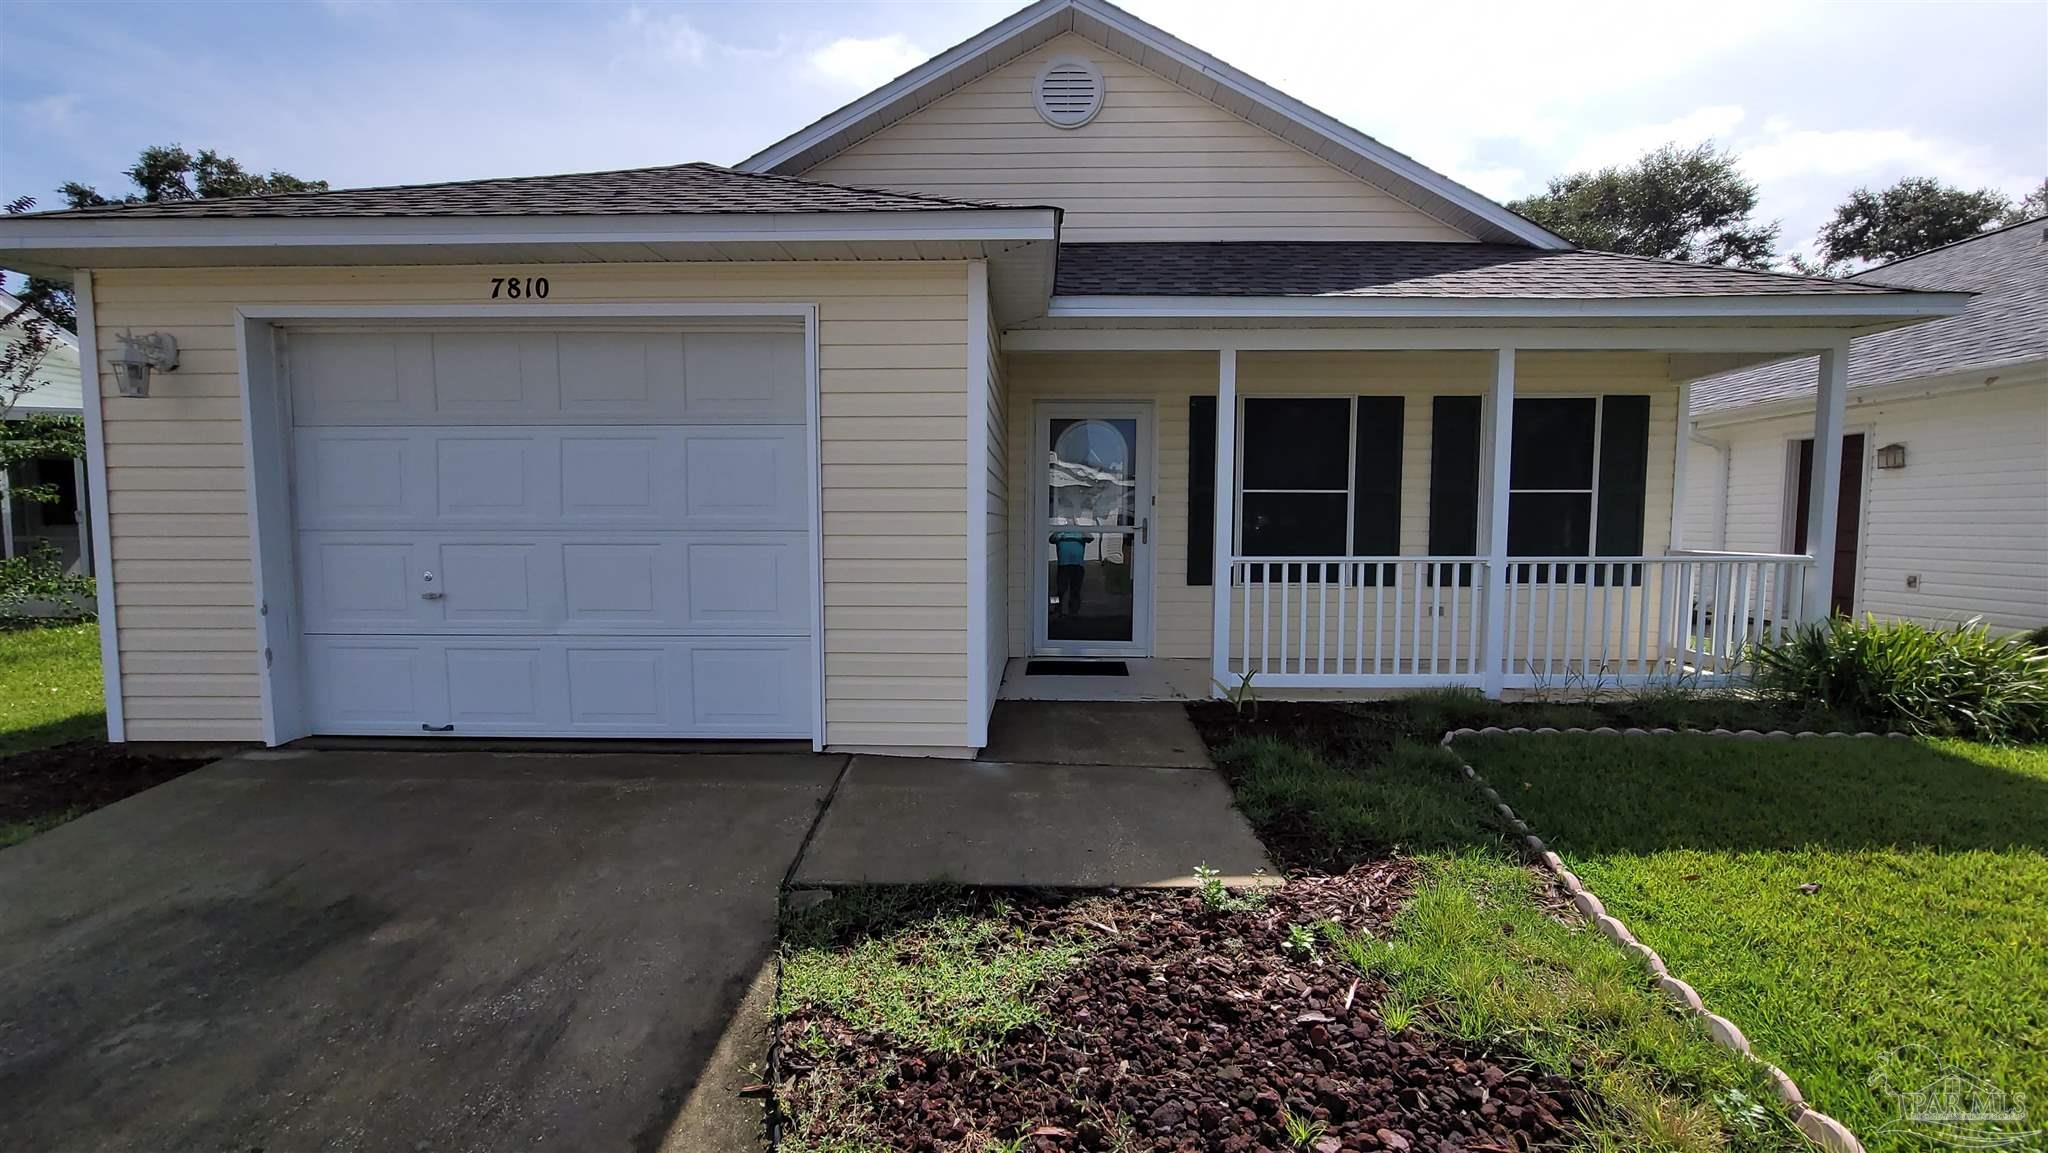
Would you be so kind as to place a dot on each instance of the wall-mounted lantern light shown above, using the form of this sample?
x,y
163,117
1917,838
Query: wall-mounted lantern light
x,y
1891,456
139,354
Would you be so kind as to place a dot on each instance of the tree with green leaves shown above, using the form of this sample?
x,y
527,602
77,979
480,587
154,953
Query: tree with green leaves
x,y
1674,203
38,577
2033,204
1914,215
161,173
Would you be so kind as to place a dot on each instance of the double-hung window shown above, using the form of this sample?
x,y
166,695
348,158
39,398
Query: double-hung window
x,y
1321,477
1576,476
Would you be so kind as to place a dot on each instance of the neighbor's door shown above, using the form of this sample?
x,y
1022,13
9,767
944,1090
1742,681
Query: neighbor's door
x,y
1848,518
1092,573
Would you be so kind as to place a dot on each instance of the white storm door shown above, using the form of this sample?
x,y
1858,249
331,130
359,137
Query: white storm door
x,y
1091,546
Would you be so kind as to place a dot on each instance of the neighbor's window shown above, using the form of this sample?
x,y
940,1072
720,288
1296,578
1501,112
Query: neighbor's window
x,y
1321,477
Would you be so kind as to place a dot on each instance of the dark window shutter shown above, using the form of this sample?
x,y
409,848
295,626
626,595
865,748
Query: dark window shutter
x,y
1201,489
1454,476
1454,479
1376,482
1624,474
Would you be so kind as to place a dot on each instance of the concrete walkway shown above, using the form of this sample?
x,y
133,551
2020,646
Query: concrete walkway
x,y
1067,796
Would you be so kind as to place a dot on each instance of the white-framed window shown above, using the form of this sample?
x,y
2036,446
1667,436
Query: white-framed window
x,y
1319,476
1577,474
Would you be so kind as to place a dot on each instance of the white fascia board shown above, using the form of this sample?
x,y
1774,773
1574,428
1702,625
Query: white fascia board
x,y
28,235
1851,307
1781,340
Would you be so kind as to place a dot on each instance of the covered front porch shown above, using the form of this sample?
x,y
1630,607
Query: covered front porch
x,y
1318,510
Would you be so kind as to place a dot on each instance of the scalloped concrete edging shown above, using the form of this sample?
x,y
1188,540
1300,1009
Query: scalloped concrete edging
x,y
1819,1128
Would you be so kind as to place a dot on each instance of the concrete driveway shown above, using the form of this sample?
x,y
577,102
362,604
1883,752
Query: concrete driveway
x,y
444,951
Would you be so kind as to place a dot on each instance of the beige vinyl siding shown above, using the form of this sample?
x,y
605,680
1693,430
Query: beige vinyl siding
x,y
1968,514
892,380
1158,163
1182,612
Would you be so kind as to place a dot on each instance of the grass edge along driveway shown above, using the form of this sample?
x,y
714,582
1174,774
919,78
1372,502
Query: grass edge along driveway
x,y
1915,955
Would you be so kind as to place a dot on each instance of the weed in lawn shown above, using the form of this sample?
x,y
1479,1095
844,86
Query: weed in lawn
x,y
1302,1133
934,969
1012,1145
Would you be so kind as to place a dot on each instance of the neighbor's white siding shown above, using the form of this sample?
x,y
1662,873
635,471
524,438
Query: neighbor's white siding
x,y
1158,163
1181,611
893,383
1968,514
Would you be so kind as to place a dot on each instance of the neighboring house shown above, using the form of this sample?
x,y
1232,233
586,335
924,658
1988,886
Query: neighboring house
x,y
24,525
793,449
1943,513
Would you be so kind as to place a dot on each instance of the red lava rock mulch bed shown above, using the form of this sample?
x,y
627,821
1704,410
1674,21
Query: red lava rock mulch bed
x,y
1191,1030
81,775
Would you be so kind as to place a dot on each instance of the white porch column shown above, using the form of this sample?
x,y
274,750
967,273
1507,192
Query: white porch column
x,y
1223,537
1825,493
1676,540
1497,437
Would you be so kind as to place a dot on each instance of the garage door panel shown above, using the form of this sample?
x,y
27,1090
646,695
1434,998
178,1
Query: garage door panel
x,y
749,584
494,374
495,479
737,688
757,478
498,687
353,583
619,688
744,377
513,583
372,685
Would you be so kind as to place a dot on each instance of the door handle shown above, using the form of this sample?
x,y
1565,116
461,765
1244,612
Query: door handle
x,y
432,595
438,728
1144,530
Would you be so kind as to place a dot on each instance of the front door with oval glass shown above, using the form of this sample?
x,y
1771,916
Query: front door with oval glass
x,y
1093,576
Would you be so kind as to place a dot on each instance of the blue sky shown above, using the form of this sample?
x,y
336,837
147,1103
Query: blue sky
x,y
1817,98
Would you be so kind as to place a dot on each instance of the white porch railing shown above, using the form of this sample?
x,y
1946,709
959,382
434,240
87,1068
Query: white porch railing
x,y
1570,623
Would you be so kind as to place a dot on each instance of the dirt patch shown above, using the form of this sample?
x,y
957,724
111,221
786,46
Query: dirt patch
x,y
1184,1029
44,784
1345,734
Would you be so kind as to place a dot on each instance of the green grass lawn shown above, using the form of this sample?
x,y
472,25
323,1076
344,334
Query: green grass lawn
x,y
1921,950
50,688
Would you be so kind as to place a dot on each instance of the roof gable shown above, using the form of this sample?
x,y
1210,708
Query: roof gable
x,y
1126,36
1154,162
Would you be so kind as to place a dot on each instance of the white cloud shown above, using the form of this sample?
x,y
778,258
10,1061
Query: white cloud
x,y
669,34
863,63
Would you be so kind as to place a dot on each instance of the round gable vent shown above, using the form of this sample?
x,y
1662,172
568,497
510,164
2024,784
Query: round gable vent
x,y
1068,92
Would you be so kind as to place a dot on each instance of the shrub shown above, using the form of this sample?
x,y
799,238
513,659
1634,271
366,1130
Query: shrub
x,y
39,581
1899,674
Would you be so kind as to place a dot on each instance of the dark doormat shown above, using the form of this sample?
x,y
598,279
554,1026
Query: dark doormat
x,y
1076,669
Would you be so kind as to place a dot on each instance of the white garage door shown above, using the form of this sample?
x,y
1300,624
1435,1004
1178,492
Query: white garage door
x,y
577,533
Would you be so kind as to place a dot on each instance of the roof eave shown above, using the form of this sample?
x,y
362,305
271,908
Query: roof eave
x,y
56,245
2031,369
906,89
1850,310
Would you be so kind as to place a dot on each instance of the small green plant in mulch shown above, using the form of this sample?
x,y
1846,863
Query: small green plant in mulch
x,y
1961,682
1475,955
1217,897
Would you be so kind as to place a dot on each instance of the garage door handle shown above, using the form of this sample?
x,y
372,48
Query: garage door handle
x,y
438,728
432,596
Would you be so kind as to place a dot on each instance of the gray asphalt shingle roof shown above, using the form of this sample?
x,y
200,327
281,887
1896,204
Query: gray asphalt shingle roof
x,y
696,188
2006,322
1407,269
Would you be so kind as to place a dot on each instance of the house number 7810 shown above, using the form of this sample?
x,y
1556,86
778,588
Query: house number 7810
x,y
519,287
